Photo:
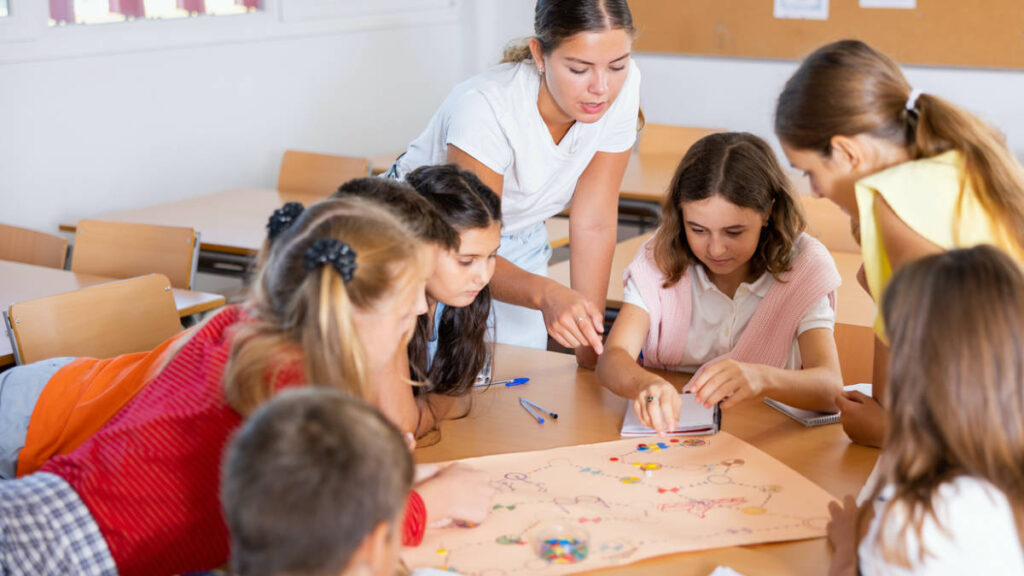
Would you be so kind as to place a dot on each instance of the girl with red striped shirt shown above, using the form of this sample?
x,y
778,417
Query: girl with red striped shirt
x,y
337,295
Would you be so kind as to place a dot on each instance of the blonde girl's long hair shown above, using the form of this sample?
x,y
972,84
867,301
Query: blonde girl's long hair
x,y
956,392
742,169
848,88
305,316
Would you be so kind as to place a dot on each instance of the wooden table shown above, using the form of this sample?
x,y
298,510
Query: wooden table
x,y
234,222
230,222
623,255
648,177
26,282
589,413
381,163
558,232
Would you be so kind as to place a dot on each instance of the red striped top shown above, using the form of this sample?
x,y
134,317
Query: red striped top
x,y
151,476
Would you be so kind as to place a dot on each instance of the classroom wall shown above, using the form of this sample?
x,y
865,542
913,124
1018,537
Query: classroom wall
x,y
740,94
85,135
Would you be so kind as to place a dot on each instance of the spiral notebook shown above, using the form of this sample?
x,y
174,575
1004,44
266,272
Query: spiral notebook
x,y
811,418
694,420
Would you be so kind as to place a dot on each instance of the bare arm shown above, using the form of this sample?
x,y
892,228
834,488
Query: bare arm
x,y
618,371
813,387
593,222
562,307
863,418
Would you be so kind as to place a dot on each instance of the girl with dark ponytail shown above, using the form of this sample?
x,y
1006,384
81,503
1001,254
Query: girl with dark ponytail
x,y
449,348
916,174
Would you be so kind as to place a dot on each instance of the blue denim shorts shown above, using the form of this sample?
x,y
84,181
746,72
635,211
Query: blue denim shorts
x,y
20,388
528,249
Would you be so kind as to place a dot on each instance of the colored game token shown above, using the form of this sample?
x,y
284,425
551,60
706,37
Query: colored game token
x,y
562,550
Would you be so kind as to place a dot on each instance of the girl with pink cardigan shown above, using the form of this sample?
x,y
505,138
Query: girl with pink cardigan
x,y
730,288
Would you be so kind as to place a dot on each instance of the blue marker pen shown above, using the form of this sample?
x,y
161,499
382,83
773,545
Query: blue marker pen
x,y
511,381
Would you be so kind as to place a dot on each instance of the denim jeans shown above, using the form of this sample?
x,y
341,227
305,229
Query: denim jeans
x,y
529,250
20,388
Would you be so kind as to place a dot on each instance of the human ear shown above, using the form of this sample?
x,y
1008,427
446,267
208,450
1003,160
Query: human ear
x,y
383,550
846,152
538,54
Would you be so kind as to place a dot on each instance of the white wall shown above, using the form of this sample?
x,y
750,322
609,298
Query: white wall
x,y
81,135
739,94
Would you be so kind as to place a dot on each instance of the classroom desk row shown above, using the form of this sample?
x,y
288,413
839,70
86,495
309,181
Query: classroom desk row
x,y
234,222
588,413
27,282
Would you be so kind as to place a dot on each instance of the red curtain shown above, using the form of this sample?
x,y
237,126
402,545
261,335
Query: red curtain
x,y
249,3
62,10
130,8
192,6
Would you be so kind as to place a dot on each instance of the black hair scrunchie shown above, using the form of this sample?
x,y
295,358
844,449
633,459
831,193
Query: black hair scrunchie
x,y
332,251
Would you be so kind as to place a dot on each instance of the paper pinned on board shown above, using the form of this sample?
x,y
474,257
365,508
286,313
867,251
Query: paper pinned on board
x,y
898,4
801,9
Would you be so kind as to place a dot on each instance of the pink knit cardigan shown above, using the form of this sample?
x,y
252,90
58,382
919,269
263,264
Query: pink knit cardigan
x,y
767,338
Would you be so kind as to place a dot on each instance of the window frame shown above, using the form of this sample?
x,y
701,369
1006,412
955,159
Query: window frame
x,y
25,34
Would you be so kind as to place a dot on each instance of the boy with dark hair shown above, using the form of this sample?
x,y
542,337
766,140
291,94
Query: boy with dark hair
x,y
314,484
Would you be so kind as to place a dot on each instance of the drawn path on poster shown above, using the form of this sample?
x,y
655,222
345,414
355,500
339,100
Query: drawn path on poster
x,y
635,498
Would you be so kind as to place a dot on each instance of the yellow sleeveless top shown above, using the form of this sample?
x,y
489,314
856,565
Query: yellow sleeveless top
x,y
926,195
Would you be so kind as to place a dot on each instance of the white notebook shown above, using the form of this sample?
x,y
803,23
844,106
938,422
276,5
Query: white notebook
x,y
810,417
694,420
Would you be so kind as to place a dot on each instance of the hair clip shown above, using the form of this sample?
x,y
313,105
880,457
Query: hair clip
x,y
283,218
334,252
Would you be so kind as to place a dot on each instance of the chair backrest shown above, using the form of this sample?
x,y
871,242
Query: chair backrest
x,y
320,174
124,250
100,321
671,140
32,247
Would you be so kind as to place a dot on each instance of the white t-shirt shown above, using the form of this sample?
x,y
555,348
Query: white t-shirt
x,y
717,321
976,535
493,117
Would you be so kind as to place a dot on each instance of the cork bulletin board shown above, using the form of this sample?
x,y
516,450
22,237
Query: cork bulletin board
x,y
958,33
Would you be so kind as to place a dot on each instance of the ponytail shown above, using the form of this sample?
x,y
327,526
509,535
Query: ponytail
x,y
849,88
302,316
989,167
517,51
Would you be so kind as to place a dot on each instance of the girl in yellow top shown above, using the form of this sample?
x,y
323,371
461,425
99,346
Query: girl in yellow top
x,y
916,174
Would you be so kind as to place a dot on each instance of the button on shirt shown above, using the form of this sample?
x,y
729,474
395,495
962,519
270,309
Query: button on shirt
x,y
717,321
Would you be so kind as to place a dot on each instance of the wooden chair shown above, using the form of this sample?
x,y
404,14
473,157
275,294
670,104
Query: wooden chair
x,y
663,139
100,321
319,174
124,250
31,247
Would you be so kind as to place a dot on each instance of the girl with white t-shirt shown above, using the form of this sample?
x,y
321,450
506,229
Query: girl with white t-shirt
x,y
552,125
949,495
729,287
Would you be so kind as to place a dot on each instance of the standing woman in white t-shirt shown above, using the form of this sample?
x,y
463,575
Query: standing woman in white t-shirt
x,y
552,124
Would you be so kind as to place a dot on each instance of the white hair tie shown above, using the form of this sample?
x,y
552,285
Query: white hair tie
x,y
912,99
